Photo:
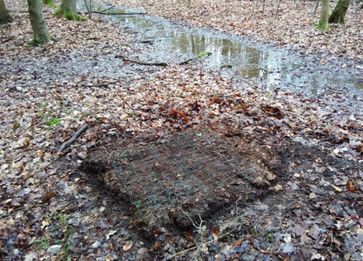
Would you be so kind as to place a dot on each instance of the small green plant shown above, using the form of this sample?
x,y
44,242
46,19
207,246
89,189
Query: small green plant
x,y
68,230
43,242
270,236
137,204
50,3
204,54
54,121
69,15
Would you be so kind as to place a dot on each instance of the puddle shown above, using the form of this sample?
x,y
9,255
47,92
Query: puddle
x,y
166,41
161,40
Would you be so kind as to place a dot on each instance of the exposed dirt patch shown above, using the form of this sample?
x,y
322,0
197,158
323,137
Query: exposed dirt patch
x,y
241,190
178,179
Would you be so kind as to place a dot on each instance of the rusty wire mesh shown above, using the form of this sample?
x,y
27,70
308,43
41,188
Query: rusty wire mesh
x,y
179,179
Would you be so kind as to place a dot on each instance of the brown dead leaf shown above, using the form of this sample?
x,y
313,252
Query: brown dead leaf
x,y
242,107
156,247
359,148
272,111
215,232
350,186
48,196
179,115
189,235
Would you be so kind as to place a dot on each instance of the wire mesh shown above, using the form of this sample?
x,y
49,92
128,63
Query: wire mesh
x,y
188,171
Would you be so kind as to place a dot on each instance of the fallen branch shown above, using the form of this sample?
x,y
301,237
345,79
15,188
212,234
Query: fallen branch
x,y
188,61
73,138
127,60
7,39
117,13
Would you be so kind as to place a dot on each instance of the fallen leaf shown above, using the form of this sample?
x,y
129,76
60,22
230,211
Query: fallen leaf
x,y
272,111
215,232
350,186
127,246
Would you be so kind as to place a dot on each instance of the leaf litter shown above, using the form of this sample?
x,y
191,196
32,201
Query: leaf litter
x,y
49,208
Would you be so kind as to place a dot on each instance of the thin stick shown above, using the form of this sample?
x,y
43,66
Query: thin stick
x,y
89,11
103,11
7,39
73,138
181,253
127,60
316,7
116,13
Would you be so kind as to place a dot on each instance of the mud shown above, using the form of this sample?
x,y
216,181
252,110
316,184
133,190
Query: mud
x,y
166,186
176,181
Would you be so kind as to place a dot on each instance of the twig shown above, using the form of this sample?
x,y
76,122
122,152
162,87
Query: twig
x,y
316,7
73,138
188,61
103,11
127,60
117,13
181,253
19,11
7,39
88,10
140,62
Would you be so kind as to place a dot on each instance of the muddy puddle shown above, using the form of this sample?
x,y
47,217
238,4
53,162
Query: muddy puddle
x,y
161,40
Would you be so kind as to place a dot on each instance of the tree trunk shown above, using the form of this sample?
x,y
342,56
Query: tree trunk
x,y
324,16
339,12
68,9
40,31
4,14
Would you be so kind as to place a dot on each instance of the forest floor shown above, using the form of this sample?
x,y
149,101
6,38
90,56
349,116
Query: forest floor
x,y
310,209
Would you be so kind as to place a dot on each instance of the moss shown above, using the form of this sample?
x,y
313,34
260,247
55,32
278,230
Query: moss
x,y
50,3
37,42
323,27
69,15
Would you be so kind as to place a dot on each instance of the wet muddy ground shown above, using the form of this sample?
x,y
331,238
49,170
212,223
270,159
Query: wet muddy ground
x,y
306,211
293,198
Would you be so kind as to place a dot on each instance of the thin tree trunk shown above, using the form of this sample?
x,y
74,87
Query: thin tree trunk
x,y
4,14
324,16
339,12
68,9
40,31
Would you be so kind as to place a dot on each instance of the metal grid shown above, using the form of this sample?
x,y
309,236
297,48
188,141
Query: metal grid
x,y
189,171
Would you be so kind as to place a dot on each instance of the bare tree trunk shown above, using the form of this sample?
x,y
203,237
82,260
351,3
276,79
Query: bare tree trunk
x,y
339,12
324,16
40,31
4,14
68,10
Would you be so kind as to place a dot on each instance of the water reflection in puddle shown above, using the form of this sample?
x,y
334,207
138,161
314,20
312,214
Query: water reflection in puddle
x,y
167,41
